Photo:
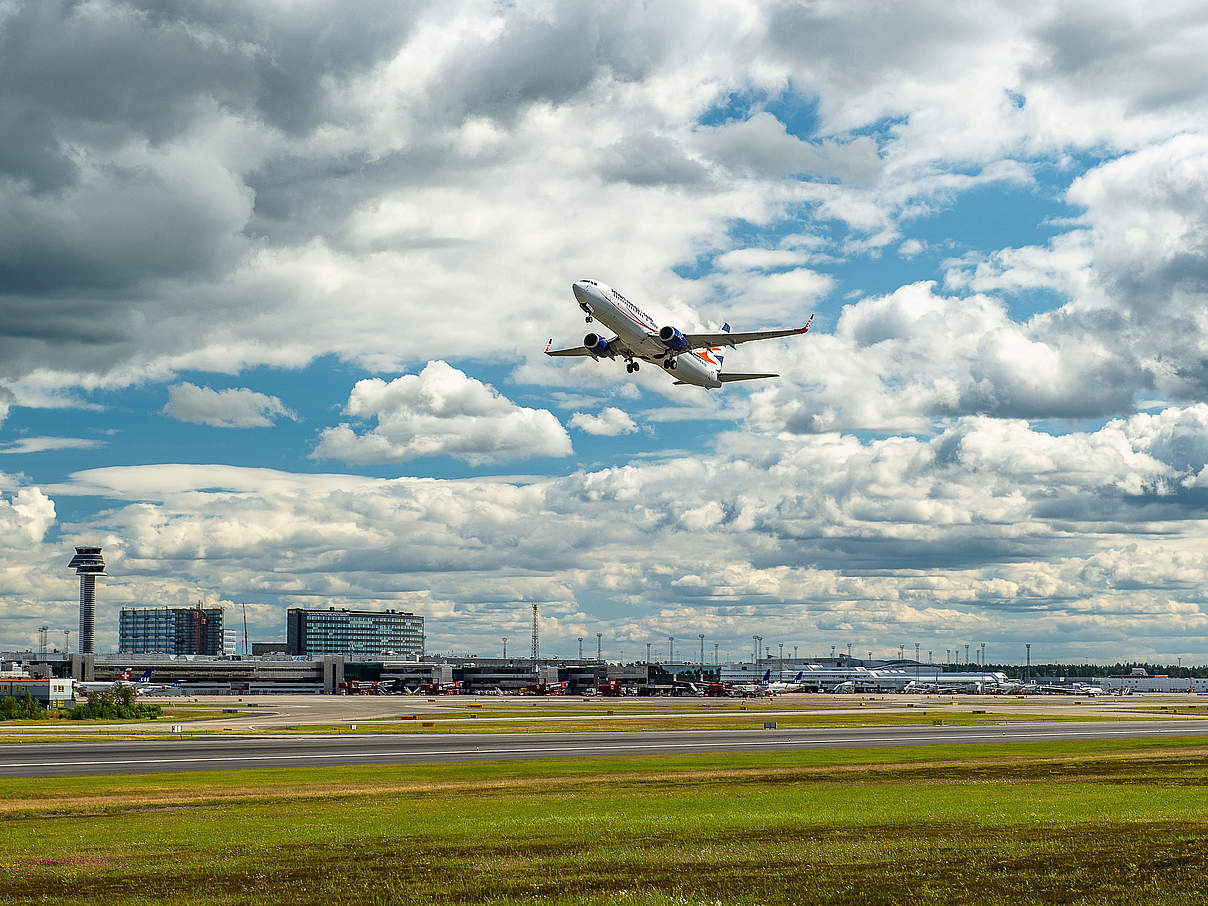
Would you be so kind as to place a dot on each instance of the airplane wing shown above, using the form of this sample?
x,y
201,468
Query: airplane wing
x,y
615,346
574,350
703,340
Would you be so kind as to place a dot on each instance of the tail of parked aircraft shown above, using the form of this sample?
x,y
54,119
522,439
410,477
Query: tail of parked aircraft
x,y
146,677
767,676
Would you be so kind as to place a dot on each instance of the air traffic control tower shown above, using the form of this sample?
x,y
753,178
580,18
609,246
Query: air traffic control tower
x,y
88,564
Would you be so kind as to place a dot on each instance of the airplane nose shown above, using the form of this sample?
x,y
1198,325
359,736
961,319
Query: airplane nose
x,y
582,293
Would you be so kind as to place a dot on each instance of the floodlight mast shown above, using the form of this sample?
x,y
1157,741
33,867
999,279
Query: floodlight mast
x,y
88,564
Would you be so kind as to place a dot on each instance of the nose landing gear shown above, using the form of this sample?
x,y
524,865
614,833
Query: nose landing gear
x,y
631,367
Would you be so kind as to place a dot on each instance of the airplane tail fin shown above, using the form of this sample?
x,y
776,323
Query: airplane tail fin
x,y
767,676
146,677
716,350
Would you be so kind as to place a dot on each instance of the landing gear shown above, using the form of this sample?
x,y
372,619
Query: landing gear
x,y
671,364
587,319
631,367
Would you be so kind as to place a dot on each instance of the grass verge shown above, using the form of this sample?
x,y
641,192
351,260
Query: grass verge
x,y
1090,822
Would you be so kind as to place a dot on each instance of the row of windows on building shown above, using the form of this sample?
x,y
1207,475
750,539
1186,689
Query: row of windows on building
x,y
354,633
309,633
170,630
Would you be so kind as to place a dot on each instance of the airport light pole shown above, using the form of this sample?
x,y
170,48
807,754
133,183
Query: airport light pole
x,y
504,639
832,652
670,649
966,655
1028,668
580,647
849,654
716,655
794,652
599,646
983,655
701,636
647,652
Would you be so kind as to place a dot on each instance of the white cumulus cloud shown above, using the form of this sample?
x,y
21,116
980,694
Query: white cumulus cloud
x,y
237,407
440,412
610,422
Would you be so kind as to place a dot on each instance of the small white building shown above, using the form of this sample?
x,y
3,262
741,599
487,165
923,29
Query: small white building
x,y
50,693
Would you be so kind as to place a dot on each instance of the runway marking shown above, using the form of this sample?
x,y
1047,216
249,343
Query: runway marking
x,y
587,746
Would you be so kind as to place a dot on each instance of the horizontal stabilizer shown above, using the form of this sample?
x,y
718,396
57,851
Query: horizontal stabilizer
x,y
739,376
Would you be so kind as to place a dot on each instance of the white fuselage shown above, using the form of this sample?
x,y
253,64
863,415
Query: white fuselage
x,y
640,333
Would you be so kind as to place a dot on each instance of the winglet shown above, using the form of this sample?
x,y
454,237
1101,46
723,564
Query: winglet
x,y
807,325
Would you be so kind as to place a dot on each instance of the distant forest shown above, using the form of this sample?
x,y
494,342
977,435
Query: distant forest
x,y
1044,670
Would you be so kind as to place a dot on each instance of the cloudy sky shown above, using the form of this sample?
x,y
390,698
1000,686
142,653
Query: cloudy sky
x,y
275,281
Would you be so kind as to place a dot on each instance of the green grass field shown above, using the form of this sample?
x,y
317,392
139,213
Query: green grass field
x,y
1101,822
462,723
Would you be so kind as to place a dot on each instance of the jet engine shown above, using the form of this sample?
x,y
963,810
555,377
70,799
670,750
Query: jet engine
x,y
673,339
597,345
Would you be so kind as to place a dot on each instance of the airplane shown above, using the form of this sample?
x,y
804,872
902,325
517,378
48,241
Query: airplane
x,y
759,688
694,358
781,686
109,685
706,688
160,689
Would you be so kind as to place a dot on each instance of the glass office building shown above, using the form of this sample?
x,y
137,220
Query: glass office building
x,y
356,634
170,630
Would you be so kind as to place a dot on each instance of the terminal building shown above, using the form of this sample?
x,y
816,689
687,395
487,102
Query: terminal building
x,y
356,635
171,630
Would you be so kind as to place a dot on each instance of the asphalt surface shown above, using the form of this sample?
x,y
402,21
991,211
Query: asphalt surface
x,y
234,752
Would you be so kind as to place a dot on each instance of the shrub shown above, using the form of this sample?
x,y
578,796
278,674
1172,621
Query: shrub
x,y
23,708
116,705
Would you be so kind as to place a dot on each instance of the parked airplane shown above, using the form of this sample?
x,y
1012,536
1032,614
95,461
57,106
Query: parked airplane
x,y
160,688
109,685
780,686
759,688
693,358
686,687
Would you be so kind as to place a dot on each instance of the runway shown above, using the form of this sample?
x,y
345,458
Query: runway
x,y
236,752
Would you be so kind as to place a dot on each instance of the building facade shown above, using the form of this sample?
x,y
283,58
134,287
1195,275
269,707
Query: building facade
x,y
50,693
170,630
354,634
